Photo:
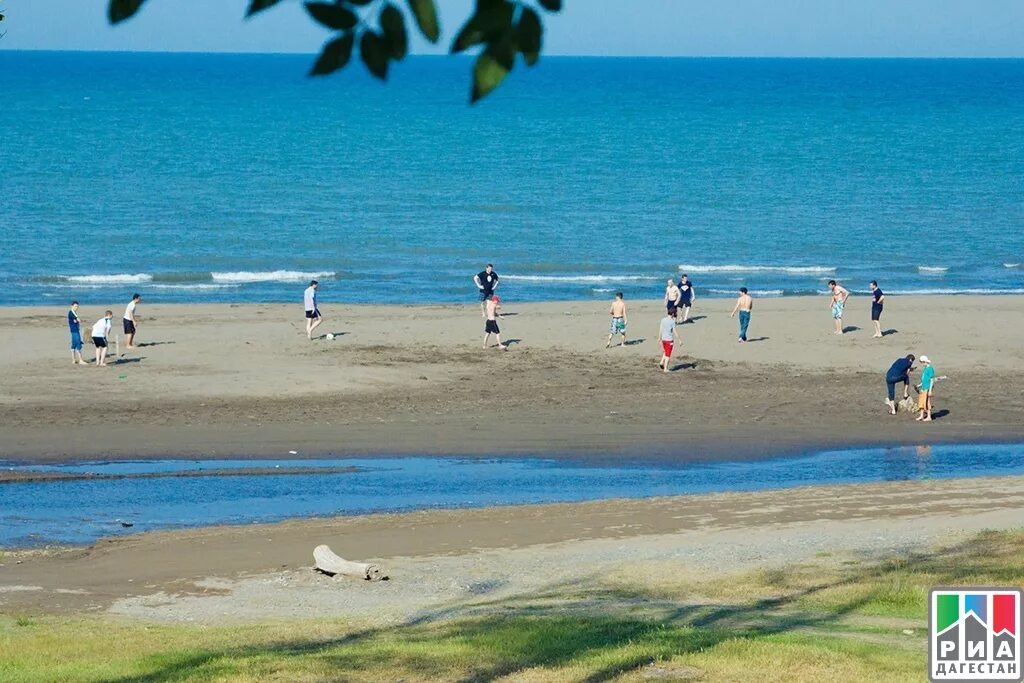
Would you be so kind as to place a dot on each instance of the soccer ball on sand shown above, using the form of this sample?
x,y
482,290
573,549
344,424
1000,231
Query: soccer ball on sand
x,y
329,336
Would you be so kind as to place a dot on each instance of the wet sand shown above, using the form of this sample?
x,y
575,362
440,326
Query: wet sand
x,y
445,557
241,380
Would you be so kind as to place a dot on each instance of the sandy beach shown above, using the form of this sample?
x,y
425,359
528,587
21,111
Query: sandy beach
x,y
242,380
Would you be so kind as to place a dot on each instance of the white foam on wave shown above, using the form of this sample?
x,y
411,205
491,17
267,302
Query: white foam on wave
x,y
951,291
934,270
733,268
1011,265
582,278
115,279
244,276
752,292
224,285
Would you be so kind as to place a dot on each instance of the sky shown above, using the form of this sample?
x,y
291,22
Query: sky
x,y
748,28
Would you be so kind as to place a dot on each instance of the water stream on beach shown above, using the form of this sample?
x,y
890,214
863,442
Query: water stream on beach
x,y
90,500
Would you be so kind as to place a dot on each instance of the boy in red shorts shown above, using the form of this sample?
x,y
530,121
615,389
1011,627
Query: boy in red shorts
x,y
668,336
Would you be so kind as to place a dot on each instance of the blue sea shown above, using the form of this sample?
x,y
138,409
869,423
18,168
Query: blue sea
x,y
235,178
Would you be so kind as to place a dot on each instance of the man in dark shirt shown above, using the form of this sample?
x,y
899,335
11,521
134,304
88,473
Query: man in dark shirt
x,y
75,325
877,301
486,281
688,296
898,372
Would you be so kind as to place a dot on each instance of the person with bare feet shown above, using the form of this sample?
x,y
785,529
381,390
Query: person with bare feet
x,y
618,314
75,325
668,336
100,330
927,390
313,317
129,322
898,372
673,296
877,302
687,297
486,281
744,305
838,303
492,312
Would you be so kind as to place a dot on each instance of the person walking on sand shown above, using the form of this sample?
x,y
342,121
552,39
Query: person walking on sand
x,y
877,301
75,325
687,296
313,317
898,372
744,305
100,330
486,281
673,297
129,322
838,303
927,390
492,311
618,314
669,336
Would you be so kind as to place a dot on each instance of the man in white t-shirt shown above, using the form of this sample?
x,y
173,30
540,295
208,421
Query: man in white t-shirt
x,y
100,330
313,317
129,321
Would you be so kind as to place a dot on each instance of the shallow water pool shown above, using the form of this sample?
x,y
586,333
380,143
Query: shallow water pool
x,y
81,510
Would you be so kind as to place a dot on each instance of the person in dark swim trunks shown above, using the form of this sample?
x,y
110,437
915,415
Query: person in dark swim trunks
x,y
688,296
486,281
877,301
898,372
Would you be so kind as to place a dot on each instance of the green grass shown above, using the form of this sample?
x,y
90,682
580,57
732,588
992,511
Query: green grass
x,y
827,619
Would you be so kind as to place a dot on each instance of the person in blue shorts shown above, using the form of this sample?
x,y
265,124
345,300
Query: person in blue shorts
x,y
75,324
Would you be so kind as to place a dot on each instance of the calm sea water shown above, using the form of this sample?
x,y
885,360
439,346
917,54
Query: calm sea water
x,y
235,178
82,511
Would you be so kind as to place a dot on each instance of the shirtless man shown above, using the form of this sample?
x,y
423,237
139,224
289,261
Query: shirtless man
x,y
618,314
673,296
492,313
744,305
837,303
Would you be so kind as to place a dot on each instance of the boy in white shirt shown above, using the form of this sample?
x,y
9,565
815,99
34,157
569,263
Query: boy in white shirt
x,y
129,321
100,330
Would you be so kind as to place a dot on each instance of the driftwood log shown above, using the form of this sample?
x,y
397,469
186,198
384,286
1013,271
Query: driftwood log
x,y
327,562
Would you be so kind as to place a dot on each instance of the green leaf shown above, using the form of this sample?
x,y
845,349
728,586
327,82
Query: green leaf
x,y
119,10
335,55
487,25
392,23
259,5
426,18
528,35
551,5
332,16
488,73
374,52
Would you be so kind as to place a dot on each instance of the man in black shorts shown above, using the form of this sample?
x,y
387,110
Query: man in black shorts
x,y
688,296
877,301
486,281
898,372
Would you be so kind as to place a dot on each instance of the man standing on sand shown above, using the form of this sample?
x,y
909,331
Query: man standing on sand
x,y
100,330
668,336
673,297
313,317
688,296
877,301
492,308
129,322
486,281
898,372
838,303
744,305
618,313
75,325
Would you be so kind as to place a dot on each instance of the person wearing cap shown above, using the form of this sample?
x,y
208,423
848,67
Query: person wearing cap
x,y
898,372
492,312
927,388
313,317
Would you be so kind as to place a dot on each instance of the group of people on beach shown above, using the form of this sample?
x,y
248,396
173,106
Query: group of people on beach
x,y
101,331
